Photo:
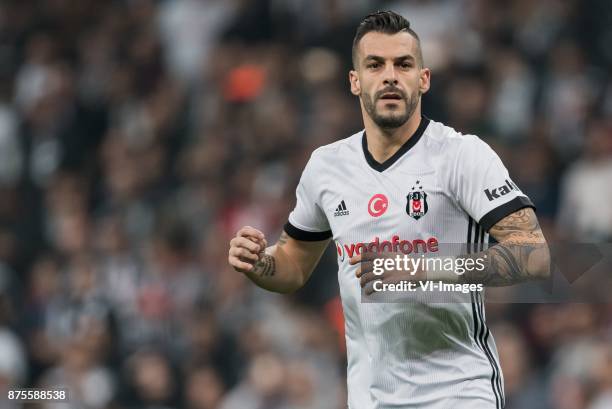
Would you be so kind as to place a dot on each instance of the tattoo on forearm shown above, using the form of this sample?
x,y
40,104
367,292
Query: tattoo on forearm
x,y
521,255
266,267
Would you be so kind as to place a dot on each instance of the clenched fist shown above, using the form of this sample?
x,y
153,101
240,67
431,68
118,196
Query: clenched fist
x,y
246,249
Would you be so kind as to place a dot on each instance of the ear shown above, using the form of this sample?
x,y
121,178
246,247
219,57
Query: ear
x,y
354,81
424,80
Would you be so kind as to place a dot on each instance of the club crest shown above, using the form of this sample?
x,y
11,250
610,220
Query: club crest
x,y
416,205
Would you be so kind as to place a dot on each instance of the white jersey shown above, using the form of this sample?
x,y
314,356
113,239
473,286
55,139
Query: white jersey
x,y
410,355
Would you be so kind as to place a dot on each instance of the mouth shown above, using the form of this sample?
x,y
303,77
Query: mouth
x,y
390,96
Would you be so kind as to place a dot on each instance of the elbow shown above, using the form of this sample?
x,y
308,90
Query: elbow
x,y
539,263
543,273
287,290
291,287
299,283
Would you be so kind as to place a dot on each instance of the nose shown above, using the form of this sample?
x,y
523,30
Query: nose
x,y
390,77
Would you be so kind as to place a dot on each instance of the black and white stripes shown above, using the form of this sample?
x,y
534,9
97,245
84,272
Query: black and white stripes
x,y
476,242
475,237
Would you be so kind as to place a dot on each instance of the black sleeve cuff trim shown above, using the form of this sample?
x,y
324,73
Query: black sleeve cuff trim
x,y
488,220
303,235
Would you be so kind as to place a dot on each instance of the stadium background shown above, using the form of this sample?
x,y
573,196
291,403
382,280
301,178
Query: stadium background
x,y
137,136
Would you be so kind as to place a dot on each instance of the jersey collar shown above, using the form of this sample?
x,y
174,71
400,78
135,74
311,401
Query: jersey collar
x,y
380,167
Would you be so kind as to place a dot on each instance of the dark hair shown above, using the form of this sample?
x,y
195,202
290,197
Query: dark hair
x,y
387,22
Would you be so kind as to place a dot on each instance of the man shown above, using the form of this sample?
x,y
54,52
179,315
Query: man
x,y
403,182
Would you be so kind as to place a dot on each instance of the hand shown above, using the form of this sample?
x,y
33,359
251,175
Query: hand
x,y
246,249
367,277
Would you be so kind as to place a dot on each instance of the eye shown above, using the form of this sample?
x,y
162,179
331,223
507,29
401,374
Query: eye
x,y
405,65
373,65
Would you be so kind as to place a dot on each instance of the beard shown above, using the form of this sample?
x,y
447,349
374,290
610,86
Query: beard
x,y
393,119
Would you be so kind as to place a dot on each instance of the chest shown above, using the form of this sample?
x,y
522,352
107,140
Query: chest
x,y
407,202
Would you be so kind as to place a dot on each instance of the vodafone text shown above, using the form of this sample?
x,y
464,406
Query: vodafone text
x,y
394,245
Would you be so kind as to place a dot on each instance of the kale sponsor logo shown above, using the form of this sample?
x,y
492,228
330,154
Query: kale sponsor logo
x,y
503,190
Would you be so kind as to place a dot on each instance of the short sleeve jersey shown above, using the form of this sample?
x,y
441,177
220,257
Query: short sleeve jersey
x,y
440,187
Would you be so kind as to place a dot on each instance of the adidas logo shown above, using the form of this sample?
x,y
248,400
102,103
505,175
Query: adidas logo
x,y
341,210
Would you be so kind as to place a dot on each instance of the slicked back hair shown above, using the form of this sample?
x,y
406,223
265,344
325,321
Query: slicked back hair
x,y
387,22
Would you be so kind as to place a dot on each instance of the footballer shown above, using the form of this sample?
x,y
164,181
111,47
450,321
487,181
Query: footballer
x,y
408,183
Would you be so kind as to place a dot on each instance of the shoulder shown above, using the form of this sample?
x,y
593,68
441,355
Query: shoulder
x,y
329,154
452,142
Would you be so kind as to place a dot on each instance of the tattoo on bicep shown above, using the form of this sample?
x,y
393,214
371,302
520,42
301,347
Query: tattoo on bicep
x,y
266,267
520,223
519,255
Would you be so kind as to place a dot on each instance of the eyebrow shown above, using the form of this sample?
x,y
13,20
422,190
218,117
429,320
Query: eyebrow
x,y
396,59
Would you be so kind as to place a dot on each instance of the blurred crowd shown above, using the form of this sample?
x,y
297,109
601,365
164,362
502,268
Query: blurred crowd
x,y
136,137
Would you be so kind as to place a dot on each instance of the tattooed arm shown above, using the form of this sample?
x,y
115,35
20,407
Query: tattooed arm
x,y
283,267
522,253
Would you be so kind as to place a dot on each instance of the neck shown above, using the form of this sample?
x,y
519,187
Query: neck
x,y
383,143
